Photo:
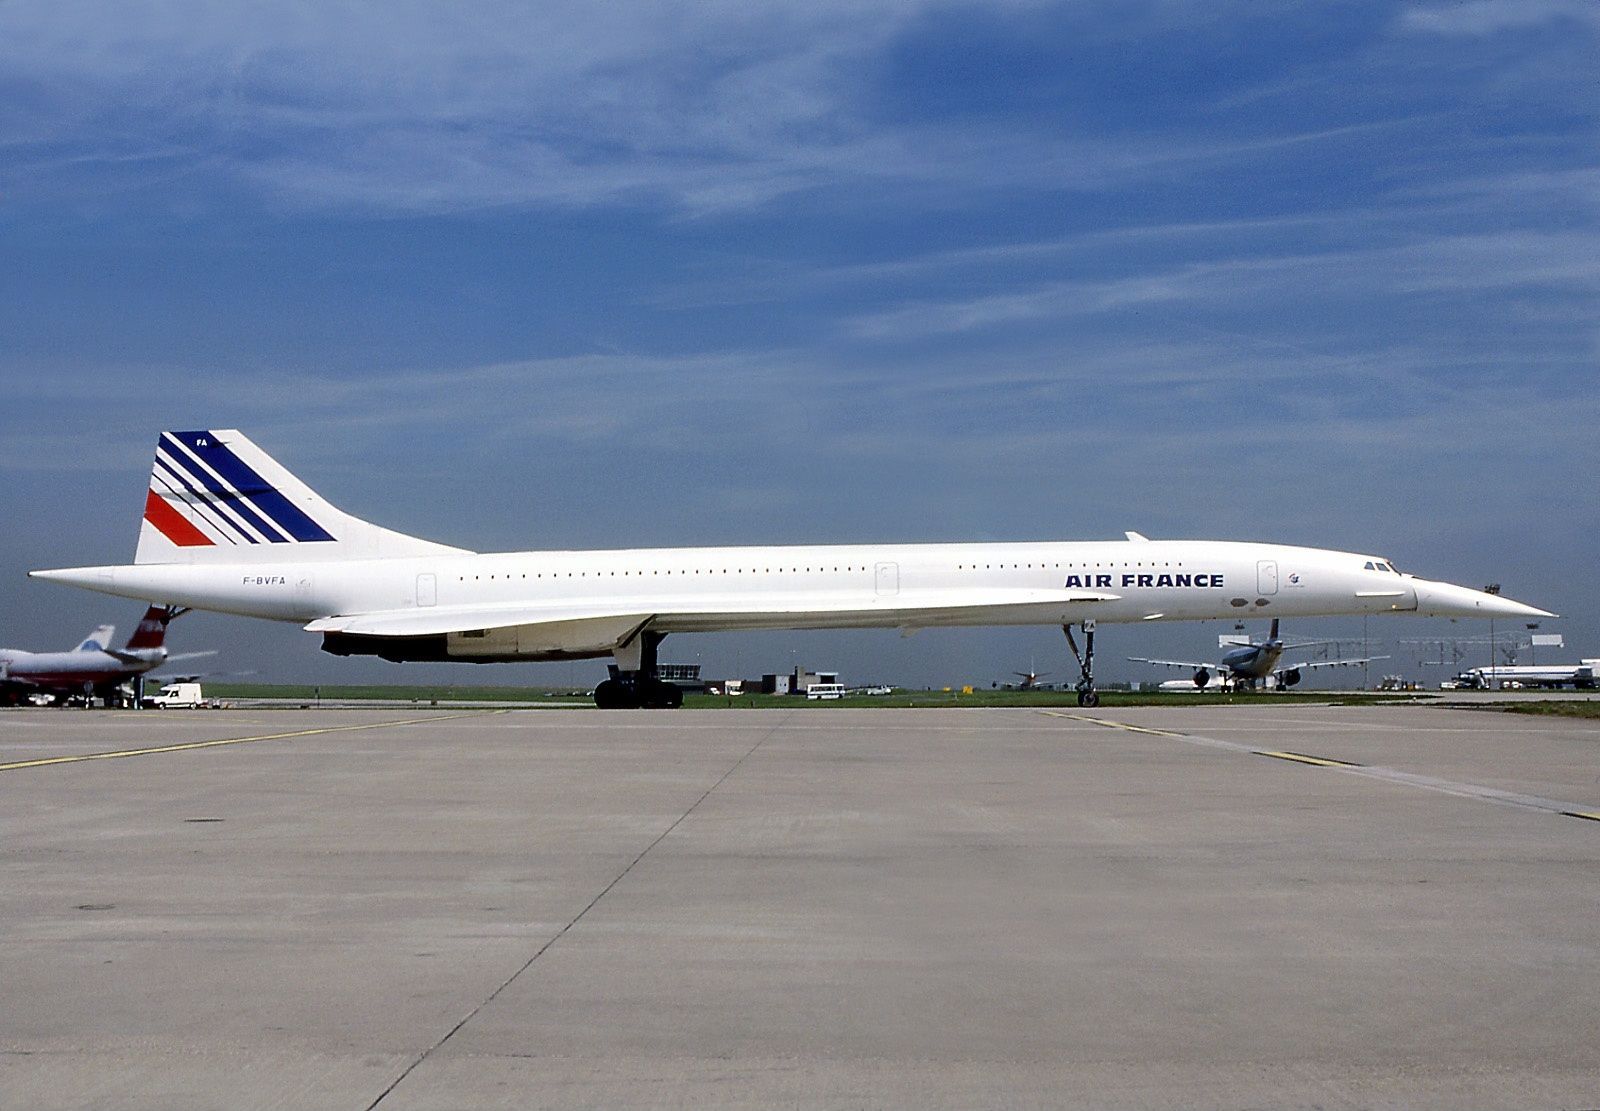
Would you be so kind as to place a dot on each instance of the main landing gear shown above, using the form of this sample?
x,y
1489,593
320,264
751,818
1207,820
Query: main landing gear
x,y
1088,697
637,687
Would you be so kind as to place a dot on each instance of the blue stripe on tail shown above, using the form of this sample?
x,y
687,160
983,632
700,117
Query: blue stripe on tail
x,y
263,496
234,501
199,502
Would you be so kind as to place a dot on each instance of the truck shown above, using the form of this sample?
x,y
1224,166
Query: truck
x,y
181,696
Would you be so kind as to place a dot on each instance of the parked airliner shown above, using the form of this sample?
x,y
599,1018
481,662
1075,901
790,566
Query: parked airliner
x,y
94,667
227,528
1249,662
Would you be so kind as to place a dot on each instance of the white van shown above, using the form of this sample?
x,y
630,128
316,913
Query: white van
x,y
825,690
180,696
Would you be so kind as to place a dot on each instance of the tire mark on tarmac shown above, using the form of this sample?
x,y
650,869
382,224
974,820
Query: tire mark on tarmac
x,y
562,932
1453,787
189,746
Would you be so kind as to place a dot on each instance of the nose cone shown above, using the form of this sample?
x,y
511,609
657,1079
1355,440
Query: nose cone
x,y
103,579
91,577
1436,599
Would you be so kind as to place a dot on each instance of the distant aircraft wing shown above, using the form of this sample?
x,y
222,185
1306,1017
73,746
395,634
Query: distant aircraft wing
x,y
1352,662
1175,663
615,620
134,657
192,655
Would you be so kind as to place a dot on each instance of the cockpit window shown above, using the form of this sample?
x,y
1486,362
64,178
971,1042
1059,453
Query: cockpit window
x,y
1383,567
1369,566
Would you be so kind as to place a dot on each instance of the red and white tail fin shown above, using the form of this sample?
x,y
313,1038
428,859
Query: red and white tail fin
x,y
152,630
215,497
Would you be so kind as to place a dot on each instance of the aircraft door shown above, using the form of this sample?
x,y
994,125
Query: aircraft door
x,y
1267,576
888,579
427,589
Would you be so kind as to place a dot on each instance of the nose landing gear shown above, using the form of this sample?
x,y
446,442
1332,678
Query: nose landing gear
x,y
1088,697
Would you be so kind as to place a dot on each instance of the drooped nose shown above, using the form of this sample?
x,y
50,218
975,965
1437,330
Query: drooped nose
x,y
1438,599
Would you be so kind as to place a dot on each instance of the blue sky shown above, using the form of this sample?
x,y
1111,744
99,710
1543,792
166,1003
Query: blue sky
x,y
569,275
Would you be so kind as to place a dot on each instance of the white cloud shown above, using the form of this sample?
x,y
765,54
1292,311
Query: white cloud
x,y
1479,18
424,107
417,107
1462,262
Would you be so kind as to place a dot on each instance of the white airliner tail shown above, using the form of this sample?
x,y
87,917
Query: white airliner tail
x,y
215,497
99,640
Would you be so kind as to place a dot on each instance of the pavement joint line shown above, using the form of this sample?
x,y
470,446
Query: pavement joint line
x,y
562,932
188,746
1514,799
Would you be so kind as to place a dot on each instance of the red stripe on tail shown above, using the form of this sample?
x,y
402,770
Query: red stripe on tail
x,y
173,525
152,630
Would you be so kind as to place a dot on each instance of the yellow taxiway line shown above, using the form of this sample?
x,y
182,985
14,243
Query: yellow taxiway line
x,y
189,746
1109,724
1350,767
1302,758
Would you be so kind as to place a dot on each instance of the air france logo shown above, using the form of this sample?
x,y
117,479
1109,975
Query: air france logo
x,y
1150,581
1294,578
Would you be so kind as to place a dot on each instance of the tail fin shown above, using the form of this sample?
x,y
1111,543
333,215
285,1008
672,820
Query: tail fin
x,y
152,630
215,497
97,641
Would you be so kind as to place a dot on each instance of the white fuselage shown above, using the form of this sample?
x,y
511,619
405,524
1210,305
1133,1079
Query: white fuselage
x,y
843,586
71,670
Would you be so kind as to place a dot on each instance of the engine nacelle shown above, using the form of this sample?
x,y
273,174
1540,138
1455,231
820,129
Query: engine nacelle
x,y
395,649
1290,677
1201,678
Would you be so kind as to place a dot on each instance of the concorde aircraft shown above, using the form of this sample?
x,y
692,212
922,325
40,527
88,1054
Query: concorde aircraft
x,y
227,528
94,667
1251,661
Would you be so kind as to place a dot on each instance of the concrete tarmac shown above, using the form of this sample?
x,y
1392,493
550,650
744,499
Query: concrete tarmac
x,y
1174,907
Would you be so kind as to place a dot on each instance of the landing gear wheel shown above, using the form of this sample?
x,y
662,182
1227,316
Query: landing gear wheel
x,y
661,696
614,694
1088,699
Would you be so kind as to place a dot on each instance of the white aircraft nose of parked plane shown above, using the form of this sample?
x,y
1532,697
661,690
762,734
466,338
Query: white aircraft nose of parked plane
x,y
1438,599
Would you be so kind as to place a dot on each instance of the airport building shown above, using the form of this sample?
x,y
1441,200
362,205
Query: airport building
x,y
796,682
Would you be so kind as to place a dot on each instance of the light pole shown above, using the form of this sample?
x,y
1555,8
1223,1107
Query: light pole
x,y
1366,678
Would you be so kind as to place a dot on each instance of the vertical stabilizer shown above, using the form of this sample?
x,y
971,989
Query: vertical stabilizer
x,y
99,640
152,630
215,497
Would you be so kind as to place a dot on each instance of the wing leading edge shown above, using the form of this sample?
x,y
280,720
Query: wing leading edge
x,y
1176,663
618,617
